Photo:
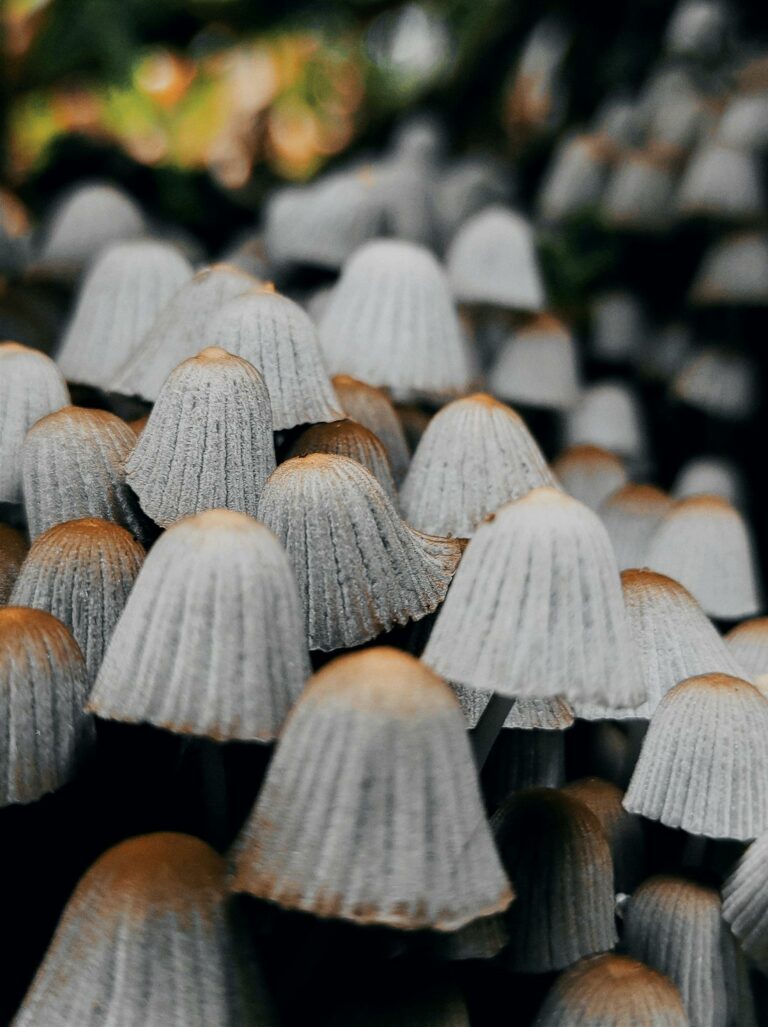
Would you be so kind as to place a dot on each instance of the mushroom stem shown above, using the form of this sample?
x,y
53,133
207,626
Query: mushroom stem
x,y
491,721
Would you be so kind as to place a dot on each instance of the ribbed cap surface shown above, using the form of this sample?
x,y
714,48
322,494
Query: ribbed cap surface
x,y
81,572
704,762
745,902
211,641
371,810
208,443
43,686
475,455
359,567
536,608
347,438
278,338
73,465
623,830
372,408
31,386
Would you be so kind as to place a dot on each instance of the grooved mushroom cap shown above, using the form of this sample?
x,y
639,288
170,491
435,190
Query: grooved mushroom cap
x,y
121,296
359,567
156,907
359,817
372,408
179,329
704,761
278,337
347,438
211,641
475,455
43,686
81,572
208,443
390,320
745,902
31,386
74,467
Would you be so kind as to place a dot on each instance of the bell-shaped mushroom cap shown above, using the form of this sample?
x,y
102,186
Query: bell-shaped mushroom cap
x,y
211,641
538,366
719,383
179,329
350,439
559,861
704,761
748,645
639,194
278,338
623,830
324,223
119,299
492,259
697,29
744,123
81,572
575,179
526,714
709,475
676,926
745,902
607,414
73,467
371,810
536,608
722,183
208,443
475,455
391,321
43,686
147,937
13,549
734,272
372,408
31,386
589,474
619,331
631,515
612,991
91,217
705,544
359,567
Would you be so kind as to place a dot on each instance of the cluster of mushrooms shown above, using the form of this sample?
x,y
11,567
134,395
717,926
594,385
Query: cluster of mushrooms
x,y
335,688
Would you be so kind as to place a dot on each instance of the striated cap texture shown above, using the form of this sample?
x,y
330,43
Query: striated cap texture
x,y
179,329
745,902
118,301
536,608
391,321
359,567
734,272
558,859
81,572
704,543
146,938
631,514
347,438
371,809
91,217
475,455
492,259
538,366
372,408
526,714
623,830
676,926
208,443
211,641
704,762
279,338
607,415
612,991
31,386
13,549
748,645
589,474
73,467
43,686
